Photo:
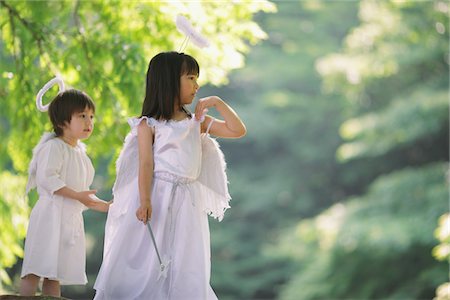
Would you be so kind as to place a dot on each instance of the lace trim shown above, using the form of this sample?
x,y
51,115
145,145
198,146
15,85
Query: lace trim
x,y
152,122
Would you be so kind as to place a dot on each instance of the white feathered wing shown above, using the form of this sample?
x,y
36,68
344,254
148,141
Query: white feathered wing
x,y
213,177
31,184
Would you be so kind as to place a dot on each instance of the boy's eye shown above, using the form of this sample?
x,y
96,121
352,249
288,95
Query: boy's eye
x,y
85,116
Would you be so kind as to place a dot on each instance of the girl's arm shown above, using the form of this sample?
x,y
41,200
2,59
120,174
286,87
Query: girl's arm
x,y
145,177
231,127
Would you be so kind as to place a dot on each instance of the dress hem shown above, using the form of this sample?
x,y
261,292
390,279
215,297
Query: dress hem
x,y
61,281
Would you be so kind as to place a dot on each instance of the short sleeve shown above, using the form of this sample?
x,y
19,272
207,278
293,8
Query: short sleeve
x,y
134,122
49,166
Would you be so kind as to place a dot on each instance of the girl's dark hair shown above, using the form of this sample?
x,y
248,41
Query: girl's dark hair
x,y
64,105
163,83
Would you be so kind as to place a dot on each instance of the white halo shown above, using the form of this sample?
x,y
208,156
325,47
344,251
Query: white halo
x,y
45,88
184,26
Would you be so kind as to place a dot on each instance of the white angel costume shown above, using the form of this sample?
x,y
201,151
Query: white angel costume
x,y
189,182
55,241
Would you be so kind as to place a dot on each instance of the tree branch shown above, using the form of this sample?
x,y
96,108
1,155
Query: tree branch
x,y
38,36
80,30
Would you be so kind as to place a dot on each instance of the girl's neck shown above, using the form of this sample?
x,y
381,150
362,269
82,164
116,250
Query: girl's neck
x,y
69,140
179,114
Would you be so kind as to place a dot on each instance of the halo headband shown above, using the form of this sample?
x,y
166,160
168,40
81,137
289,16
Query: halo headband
x,y
45,88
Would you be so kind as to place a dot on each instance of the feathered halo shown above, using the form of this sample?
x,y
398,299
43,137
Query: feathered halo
x,y
185,27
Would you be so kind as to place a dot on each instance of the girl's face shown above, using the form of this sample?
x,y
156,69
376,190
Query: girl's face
x,y
80,126
188,88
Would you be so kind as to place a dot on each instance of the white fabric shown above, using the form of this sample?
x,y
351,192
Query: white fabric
x,y
130,267
31,184
55,241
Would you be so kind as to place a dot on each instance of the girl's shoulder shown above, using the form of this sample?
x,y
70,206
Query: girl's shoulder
x,y
135,121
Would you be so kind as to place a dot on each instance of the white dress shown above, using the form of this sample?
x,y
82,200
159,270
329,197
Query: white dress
x,y
181,198
55,241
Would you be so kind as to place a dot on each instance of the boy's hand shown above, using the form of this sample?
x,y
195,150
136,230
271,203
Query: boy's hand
x,y
85,197
99,204
91,201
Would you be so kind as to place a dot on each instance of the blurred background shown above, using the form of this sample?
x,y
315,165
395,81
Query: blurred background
x,y
340,188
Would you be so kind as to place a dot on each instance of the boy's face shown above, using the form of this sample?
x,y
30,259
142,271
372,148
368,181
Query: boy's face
x,y
188,88
80,126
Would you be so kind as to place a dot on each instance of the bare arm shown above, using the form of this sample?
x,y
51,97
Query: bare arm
x,y
86,197
145,177
231,127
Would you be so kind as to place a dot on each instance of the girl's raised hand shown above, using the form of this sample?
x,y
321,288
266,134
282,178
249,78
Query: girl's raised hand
x,y
230,127
203,104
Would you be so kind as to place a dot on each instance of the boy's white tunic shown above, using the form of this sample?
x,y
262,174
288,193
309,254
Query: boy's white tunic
x,y
183,194
55,242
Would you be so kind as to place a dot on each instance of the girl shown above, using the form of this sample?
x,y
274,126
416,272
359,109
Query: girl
x,y
170,174
62,174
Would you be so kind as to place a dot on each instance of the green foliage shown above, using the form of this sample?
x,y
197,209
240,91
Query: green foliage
x,y
13,221
442,233
393,69
104,49
285,168
386,53
402,122
442,252
344,251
